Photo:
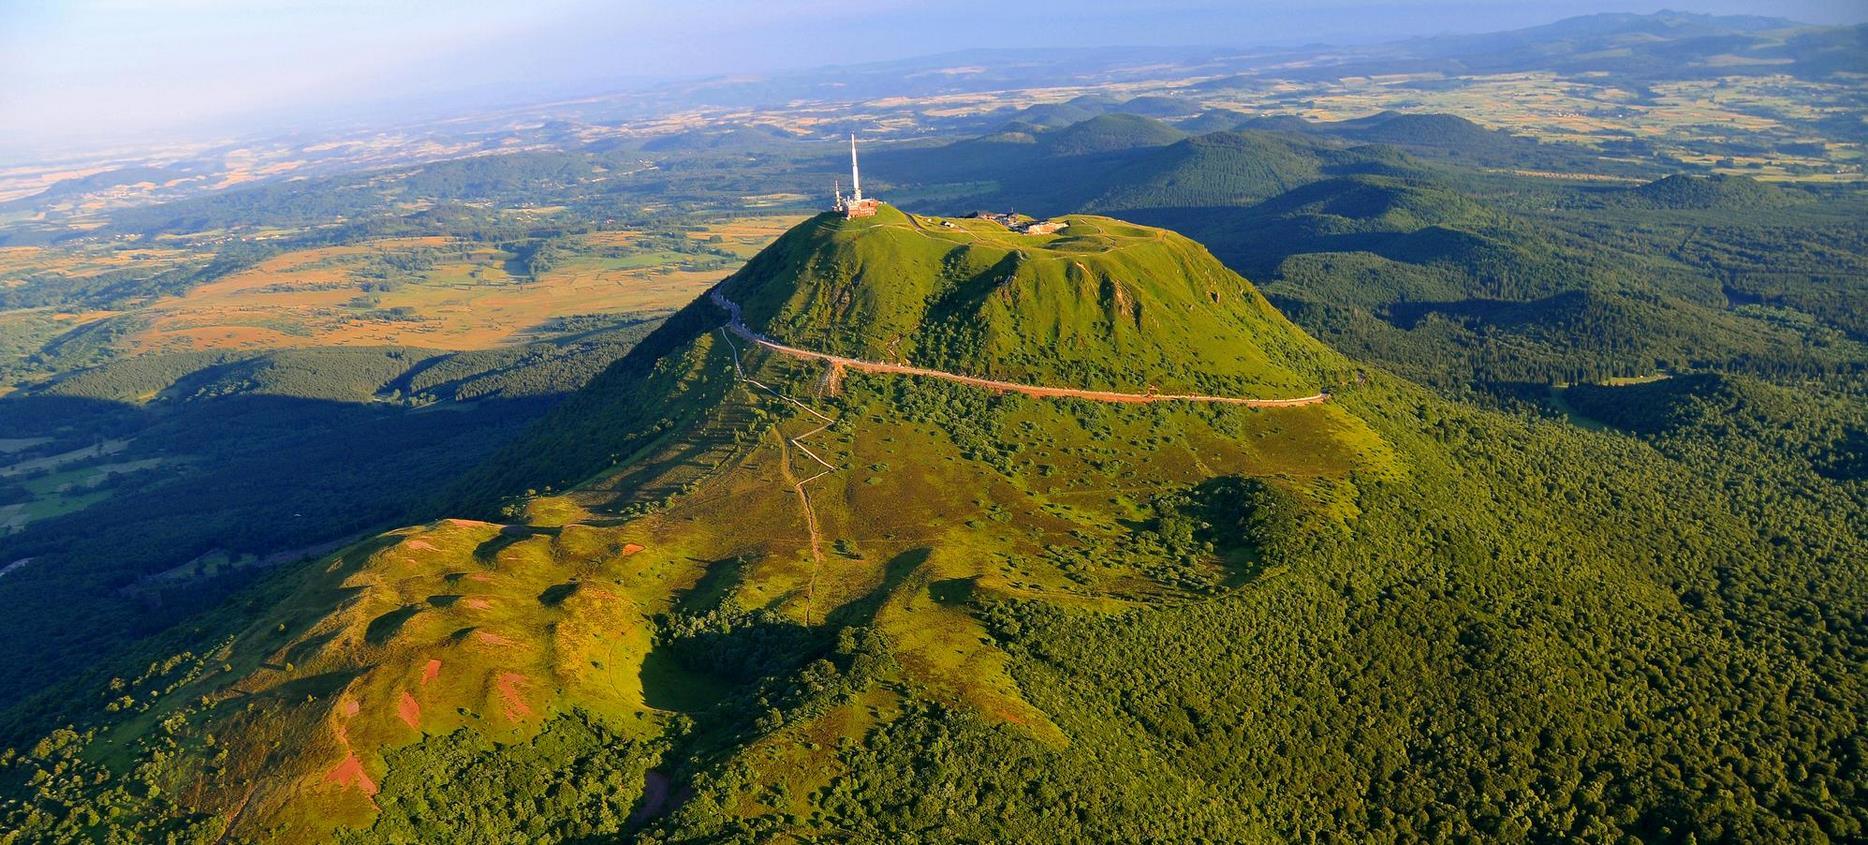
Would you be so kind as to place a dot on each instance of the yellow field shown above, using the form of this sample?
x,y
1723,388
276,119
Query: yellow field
x,y
17,262
747,235
1583,109
467,300
1578,111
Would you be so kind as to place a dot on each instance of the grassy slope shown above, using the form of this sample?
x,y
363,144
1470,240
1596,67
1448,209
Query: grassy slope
x,y
468,624
1102,304
1035,621
456,624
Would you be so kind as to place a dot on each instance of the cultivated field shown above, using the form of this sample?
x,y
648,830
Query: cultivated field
x,y
433,292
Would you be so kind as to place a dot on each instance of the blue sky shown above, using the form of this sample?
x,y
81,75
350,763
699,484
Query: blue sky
x,y
83,71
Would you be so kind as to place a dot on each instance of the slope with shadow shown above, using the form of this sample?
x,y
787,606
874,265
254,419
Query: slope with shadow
x,y
1449,138
1021,150
1717,192
1116,162
1421,276
1233,168
1108,133
1083,108
155,486
725,512
747,602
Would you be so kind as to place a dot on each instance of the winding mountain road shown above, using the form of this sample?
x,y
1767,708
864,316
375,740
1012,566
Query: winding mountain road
x,y
738,327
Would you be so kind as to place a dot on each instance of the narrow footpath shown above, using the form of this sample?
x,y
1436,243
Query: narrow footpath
x,y
798,484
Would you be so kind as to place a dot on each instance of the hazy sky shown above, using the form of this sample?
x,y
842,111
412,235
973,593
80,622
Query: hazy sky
x,y
84,71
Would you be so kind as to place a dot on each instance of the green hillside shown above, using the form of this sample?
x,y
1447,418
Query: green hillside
x,y
1082,108
719,596
1424,277
1102,304
1074,110
1213,120
1118,162
1443,131
1232,168
1731,193
1108,133
155,486
635,618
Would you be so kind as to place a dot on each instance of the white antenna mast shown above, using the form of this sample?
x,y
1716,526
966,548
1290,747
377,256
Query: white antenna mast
x,y
856,179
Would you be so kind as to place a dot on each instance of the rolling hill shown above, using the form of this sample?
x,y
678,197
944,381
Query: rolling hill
x,y
1101,304
1417,274
1378,235
574,606
1122,162
723,594
1108,133
1718,192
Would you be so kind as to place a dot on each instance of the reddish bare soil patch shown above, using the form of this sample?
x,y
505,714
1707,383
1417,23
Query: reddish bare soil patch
x,y
476,603
431,671
509,692
409,709
1009,715
482,577
493,639
422,545
630,549
465,523
350,773
349,706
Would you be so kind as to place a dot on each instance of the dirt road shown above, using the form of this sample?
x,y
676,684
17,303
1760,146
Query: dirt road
x,y
738,327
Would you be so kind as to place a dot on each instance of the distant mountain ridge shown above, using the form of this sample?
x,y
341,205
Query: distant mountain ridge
x,y
1659,45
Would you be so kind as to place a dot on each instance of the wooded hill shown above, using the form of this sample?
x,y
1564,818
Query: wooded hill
x,y
1391,616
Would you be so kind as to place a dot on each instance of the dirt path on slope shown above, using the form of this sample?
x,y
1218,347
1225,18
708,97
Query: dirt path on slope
x,y
798,484
738,327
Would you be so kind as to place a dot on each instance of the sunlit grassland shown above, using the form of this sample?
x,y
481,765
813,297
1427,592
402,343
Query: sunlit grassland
x,y
470,298
85,260
1100,305
432,292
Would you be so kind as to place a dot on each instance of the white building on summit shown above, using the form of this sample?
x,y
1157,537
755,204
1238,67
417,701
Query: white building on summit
x,y
854,205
